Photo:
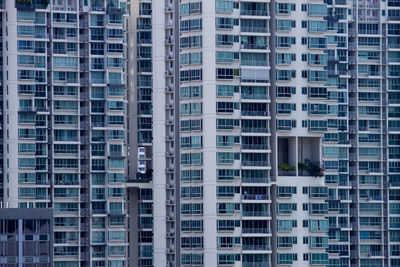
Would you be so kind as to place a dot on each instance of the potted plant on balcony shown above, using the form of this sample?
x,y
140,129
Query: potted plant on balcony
x,y
303,167
286,169
314,169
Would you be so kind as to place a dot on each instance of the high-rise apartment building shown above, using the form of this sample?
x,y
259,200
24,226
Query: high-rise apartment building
x,y
26,237
269,131
258,132
63,88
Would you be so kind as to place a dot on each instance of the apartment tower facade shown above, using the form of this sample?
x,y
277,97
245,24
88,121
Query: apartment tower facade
x,y
64,125
274,129
257,134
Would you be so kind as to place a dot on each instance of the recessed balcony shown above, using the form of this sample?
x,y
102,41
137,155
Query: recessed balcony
x,y
299,156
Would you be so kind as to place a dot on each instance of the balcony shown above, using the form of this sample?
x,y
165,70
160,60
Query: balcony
x,y
256,180
255,230
286,170
255,146
28,5
258,163
254,46
372,254
116,212
305,163
255,197
254,213
99,211
255,96
97,8
257,63
308,168
254,29
394,45
256,247
256,264
65,241
249,12
112,10
372,198
254,130
369,31
254,113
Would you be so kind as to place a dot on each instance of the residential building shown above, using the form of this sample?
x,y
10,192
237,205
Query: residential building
x,y
274,129
199,150
26,237
258,133
64,123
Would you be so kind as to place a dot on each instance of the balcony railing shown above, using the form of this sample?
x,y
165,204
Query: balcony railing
x,y
260,63
253,12
97,8
260,163
255,180
368,31
256,247
256,264
255,197
252,213
255,230
254,29
254,113
254,130
255,96
287,172
255,146
254,46
372,253
99,211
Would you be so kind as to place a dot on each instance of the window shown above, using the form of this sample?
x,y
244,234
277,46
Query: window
x,y
190,25
286,258
227,157
317,43
190,8
116,235
286,191
284,41
224,40
285,25
227,225
286,225
224,6
227,191
191,75
115,48
286,208
227,90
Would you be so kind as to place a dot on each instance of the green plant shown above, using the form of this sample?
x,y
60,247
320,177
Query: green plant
x,y
302,166
314,169
286,167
